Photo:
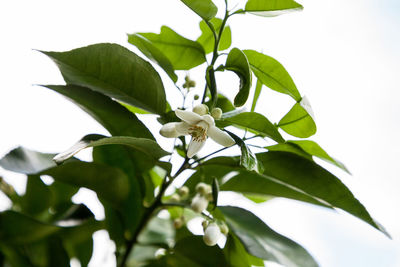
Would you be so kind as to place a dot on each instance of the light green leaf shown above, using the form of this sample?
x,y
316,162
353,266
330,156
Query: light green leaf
x,y
183,53
204,8
237,62
147,146
255,123
268,8
153,53
158,231
235,253
115,71
263,242
109,113
298,122
257,93
247,159
207,40
272,74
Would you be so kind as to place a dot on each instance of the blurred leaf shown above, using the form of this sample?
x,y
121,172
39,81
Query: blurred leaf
x,y
298,122
247,159
263,242
109,113
255,123
238,63
272,74
57,254
108,182
256,95
235,253
183,53
115,71
207,40
257,198
23,160
37,196
147,146
215,191
153,53
267,8
157,231
204,8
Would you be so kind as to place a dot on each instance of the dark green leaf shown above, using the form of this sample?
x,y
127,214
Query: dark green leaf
x,y
37,196
247,159
183,53
57,254
235,253
204,8
153,53
147,146
298,122
207,40
263,242
109,183
23,160
158,231
223,103
205,174
113,116
289,147
267,8
115,71
314,180
255,123
238,63
272,74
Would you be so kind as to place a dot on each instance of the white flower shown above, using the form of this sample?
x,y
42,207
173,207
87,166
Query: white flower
x,y
212,234
199,127
199,203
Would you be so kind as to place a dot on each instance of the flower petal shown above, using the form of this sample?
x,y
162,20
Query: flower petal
x,y
220,136
182,128
188,116
194,147
169,130
210,120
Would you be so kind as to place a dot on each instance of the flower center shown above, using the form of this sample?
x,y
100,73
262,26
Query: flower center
x,y
198,133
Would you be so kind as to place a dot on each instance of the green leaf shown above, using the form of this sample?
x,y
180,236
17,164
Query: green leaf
x,y
307,149
158,231
153,53
204,8
256,95
263,242
147,146
207,40
23,160
109,183
57,254
298,122
315,181
37,196
238,63
113,116
268,8
223,103
183,53
255,123
16,228
235,253
272,74
215,191
115,71
247,159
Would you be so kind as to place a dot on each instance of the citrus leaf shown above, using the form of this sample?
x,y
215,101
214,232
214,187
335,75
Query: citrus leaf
x,y
267,8
204,8
207,40
298,122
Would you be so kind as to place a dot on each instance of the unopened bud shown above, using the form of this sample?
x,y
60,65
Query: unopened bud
x,y
175,198
200,109
169,130
178,223
196,97
224,229
183,191
192,83
199,203
212,234
216,113
187,78
209,196
203,188
204,224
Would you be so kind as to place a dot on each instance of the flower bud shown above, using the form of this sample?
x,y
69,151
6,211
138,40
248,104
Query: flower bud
x,y
199,203
212,234
187,78
200,109
216,113
175,198
169,130
192,83
183,191
203,188
178,223
204,224
209,196
196,97
224,229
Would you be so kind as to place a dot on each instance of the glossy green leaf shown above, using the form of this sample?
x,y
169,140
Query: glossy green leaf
x,y
257,93
247,158
235,253
272,74
315,181
109,113
223,103
238,63
157,231
204,8
37,196
115,71
109,183
183,53
298,122
268,8
263,242
153,53
255,123
207,40
23,160
147,146
307,149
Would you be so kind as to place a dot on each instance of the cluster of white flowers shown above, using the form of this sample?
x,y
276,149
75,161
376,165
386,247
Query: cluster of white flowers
x,y
202,198
200,125
213,232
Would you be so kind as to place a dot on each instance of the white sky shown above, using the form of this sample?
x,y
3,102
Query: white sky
x,y
344,55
